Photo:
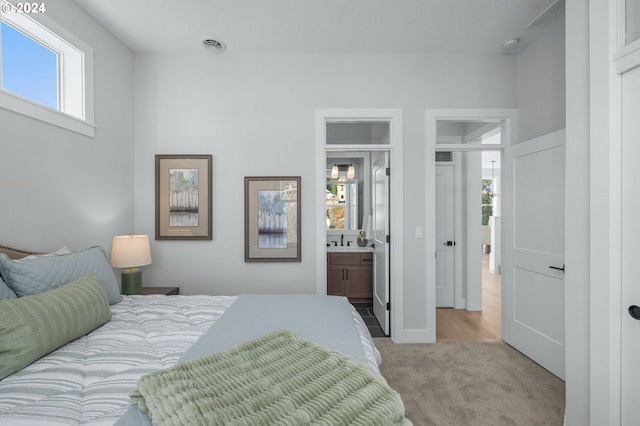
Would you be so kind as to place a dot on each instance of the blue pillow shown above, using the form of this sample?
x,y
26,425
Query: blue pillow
x,y
5,292
30,276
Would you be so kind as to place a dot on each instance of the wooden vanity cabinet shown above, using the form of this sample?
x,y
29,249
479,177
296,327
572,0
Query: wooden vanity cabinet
x,y
350,275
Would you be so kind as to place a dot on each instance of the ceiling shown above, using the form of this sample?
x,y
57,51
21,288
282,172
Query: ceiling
x,y
318,26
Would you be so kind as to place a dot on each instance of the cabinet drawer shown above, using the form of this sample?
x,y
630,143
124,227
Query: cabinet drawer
x,y
366,258
350,258
344,259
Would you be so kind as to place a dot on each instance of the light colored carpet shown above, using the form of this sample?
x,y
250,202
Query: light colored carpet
x,y
474,383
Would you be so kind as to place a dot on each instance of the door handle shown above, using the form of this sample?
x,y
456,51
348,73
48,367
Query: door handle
x,y
634,311
557,268
449,243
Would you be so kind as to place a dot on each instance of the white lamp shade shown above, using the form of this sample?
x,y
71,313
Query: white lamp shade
x,y
129,251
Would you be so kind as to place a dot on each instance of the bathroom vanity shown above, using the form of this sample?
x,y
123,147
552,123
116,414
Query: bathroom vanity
x,y
350,274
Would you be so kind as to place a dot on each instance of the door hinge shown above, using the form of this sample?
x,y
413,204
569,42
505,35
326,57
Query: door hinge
x,y
388,306
387,171
388,239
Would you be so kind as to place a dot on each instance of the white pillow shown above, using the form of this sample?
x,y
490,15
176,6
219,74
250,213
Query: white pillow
x,y
61,250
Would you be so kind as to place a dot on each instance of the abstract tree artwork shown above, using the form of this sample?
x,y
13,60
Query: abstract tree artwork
x,y
272,219
184,198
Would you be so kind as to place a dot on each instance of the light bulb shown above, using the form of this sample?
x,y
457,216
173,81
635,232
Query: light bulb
x,y
351,171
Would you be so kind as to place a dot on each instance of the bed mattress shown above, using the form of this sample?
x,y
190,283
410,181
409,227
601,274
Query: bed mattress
x,y
88,381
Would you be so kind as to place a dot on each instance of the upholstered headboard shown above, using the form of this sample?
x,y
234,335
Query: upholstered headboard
x,y
15,253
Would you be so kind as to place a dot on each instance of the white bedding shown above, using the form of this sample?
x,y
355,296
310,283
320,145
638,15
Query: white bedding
x,y
88,380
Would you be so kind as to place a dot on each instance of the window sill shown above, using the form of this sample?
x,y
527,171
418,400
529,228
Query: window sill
x,y
20,105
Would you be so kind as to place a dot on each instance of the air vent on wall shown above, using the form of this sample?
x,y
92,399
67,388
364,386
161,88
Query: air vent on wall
x,y
214,45
547,15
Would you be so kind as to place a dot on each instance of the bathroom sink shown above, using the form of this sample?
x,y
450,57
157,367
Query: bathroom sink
x,y
340,249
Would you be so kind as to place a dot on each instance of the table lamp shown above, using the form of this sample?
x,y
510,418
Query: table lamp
x,y
129,252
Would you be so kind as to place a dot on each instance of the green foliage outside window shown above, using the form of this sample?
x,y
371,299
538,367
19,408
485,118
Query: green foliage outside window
x,y
487,199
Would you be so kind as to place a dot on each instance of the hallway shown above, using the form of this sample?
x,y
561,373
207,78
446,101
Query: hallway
x,y
458,325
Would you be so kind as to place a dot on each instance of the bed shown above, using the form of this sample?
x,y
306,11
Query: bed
x,y
95,348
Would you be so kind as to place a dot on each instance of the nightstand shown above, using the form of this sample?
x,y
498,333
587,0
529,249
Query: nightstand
x,y
168,291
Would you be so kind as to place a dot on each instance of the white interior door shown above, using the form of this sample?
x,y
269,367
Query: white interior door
x,y
533,263
380,232
630,337
445,252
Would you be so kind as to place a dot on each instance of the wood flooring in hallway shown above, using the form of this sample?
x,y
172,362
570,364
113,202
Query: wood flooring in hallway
x,y
459,325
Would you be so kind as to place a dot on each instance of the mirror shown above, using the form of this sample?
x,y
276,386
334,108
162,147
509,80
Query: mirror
x,y
342,204
345,191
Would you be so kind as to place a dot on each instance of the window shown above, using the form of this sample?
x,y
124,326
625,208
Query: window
x,y
29,68
45,72
487,200
342,203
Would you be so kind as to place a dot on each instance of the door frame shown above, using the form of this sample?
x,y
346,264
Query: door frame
x,y
596,379
509,118
394,116
468,295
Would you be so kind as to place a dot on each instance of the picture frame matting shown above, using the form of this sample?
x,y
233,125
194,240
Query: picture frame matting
x,y
272,218
184,197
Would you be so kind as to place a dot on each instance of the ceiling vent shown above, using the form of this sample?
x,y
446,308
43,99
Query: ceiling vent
x,y
214,45
554,9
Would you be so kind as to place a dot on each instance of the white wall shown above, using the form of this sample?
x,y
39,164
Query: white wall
x,y
61,188
577,239
255,114
541,82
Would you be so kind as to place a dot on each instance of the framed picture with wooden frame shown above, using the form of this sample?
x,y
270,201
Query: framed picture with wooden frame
x,y
184,197
272,219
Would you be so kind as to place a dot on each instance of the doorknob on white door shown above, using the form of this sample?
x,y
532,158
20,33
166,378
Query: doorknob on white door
x,y
634,311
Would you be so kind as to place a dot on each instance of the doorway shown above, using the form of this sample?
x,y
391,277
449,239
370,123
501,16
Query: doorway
x,y
464,149
357,217
467,246
363,131
532,316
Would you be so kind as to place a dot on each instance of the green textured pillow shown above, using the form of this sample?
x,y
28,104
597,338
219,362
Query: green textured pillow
x,y
33,326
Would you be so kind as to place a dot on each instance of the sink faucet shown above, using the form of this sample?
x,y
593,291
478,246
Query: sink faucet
x,y
341,239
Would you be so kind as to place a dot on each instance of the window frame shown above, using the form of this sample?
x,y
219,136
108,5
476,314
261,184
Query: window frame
x,y
75,75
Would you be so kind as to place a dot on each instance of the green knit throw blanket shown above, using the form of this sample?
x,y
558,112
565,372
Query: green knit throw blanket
x,y
276,379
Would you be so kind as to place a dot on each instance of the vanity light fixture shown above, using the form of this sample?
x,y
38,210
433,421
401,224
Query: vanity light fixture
x,y
334,172
351,172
